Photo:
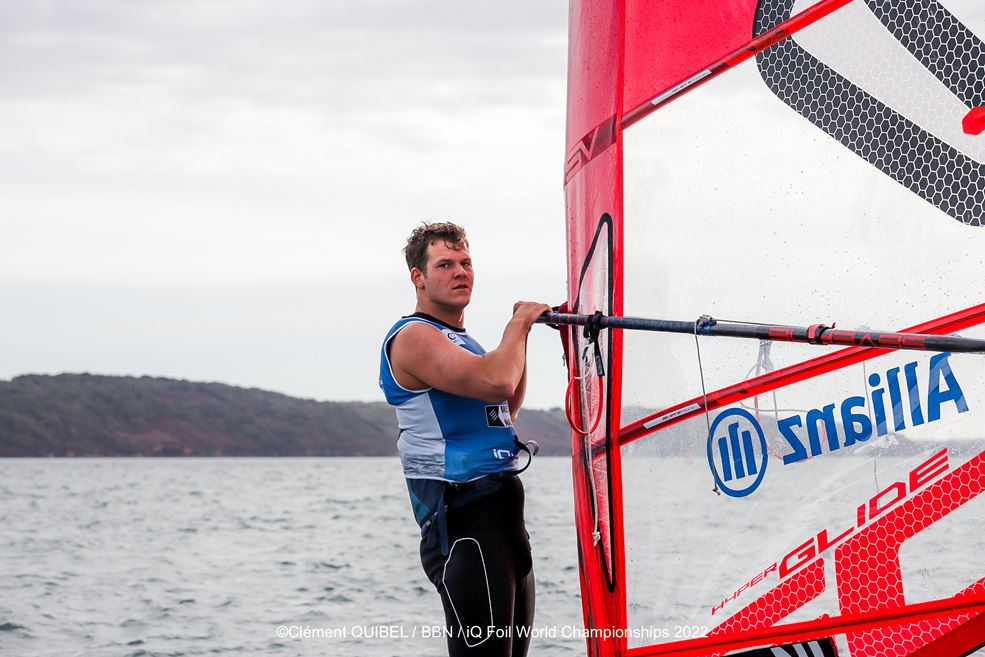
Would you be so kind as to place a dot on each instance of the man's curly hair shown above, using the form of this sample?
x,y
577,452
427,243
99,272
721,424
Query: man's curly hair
x,y
416,250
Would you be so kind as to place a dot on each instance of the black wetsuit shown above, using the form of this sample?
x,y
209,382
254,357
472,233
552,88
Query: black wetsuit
x,y
474,546
486,579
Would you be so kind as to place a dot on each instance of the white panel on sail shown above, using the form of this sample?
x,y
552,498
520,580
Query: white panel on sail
x,y
738,207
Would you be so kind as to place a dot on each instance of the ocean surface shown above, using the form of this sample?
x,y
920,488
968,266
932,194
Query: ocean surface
x,y
307,556
319,556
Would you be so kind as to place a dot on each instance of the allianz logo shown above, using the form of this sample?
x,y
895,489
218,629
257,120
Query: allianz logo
x,y
737,448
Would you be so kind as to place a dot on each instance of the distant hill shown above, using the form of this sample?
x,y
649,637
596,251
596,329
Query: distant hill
x,y
89,415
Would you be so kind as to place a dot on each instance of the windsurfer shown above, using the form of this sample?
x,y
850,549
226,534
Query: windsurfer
x,y
455,407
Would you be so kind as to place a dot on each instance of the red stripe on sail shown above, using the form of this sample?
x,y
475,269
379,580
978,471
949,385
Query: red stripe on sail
x,y
694,78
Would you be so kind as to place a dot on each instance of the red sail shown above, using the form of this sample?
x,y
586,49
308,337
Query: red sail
x,y
776,161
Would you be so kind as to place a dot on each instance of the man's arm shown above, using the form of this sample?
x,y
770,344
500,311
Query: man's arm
x,y
515,400
423,357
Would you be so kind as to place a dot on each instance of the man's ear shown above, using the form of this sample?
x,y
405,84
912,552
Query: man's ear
x,y
417,278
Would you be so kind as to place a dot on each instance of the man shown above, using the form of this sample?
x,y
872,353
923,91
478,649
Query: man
x,y
455,405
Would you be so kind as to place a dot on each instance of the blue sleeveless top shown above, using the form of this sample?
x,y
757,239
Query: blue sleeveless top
x,y
444,436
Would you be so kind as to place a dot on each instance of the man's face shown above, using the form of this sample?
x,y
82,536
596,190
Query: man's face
x,y
448,279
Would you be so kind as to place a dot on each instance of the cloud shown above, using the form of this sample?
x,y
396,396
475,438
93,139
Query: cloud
x,y
228,146
332,55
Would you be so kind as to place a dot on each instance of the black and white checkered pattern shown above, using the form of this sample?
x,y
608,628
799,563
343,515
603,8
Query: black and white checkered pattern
x,y
909,153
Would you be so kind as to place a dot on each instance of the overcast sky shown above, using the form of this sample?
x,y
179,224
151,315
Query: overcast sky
x,y
219,191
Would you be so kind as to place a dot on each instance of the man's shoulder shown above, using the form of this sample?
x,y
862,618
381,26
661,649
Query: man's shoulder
x,y
424,334
406,342
405,323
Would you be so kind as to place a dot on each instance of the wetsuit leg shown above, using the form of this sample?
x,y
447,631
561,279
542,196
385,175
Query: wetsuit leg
x,y
486,580
523,613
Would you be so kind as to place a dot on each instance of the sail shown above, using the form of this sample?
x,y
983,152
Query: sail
x,y
794,163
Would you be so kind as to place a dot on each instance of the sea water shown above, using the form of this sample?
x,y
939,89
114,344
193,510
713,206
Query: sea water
x,y
251,556
267,556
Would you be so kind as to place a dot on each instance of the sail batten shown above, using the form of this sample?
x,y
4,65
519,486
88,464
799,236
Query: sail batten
x,y
754,46
815,629
759,385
